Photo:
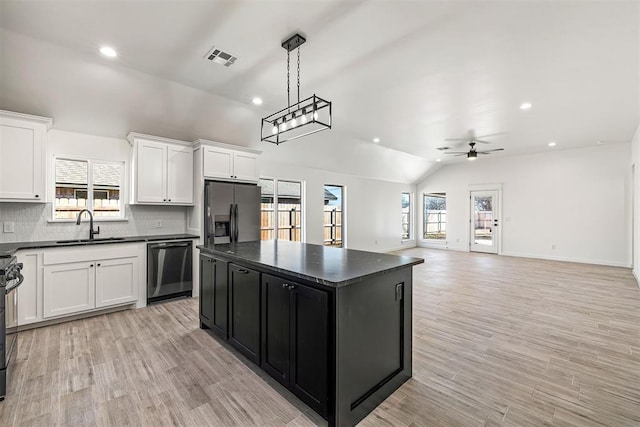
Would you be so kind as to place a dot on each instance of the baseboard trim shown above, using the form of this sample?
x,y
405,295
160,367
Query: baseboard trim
x,y
565,259
397,248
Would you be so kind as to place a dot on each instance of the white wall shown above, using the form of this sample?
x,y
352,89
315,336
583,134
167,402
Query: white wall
x,y
635,238
373,207
32,221
574,199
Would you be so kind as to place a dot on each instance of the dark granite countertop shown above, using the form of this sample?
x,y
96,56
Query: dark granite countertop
x,y
9,249
328,266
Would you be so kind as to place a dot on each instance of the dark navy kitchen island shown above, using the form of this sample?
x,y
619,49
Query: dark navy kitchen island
x,y
332,325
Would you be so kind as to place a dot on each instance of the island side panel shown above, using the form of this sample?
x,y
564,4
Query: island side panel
x,y
373,343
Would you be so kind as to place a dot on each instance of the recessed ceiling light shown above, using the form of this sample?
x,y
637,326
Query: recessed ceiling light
x,y
525,106
437,160
108,51
376,140
257,100
551,144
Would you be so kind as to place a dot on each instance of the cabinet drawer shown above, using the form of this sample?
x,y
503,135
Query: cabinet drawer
x,y
89,253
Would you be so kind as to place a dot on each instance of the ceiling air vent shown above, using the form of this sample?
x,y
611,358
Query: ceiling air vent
x,y
220,57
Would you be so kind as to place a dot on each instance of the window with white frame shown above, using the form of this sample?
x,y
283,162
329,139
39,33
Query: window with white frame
x,y
88,184
435,216
406,216
281,210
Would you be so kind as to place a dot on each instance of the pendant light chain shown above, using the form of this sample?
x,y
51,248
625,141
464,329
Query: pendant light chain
x,y
288,97
302,117
298,74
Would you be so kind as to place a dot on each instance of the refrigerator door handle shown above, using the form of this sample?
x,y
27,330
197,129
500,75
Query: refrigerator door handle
x,y
231,223
235,221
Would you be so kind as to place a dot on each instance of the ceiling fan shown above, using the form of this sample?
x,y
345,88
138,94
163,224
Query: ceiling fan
x,y
472,140
472,154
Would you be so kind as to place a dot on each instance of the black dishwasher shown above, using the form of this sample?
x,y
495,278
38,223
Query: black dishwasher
x,y
169,270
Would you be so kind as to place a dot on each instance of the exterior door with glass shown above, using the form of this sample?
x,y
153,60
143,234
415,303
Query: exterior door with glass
x,y
485,230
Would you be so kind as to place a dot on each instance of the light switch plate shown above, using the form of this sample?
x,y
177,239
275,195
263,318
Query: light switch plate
x,y
9,227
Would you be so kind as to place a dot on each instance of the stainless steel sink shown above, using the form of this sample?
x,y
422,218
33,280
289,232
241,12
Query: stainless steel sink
x,y
102,240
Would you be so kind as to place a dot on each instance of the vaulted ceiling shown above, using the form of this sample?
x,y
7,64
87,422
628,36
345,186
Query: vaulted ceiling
x,y
411,73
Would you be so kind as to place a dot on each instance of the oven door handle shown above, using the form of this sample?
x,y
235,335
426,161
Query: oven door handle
x,y
8,289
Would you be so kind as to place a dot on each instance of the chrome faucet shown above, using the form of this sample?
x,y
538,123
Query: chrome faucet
x,y
92,232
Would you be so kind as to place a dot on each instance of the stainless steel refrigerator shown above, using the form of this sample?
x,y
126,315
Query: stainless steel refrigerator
x,y
232,212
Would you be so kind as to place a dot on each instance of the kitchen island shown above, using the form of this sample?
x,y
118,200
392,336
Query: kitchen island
x,y
332,325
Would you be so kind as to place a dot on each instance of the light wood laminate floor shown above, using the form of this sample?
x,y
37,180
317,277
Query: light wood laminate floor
x,y
497,341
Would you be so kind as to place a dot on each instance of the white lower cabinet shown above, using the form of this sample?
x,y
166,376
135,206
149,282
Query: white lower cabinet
x,y
30,291
116,281
78,280
69,288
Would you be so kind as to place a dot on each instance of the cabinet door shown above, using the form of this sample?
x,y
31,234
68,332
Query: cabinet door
x,y
22,154
244,301
117,281
207,271
68,288
151,176
29,294
220,298
218,163
180,175
245,167
275,328
309,311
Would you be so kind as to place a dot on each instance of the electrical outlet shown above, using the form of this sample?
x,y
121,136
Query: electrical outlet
x,y
9,227
159,223
553,247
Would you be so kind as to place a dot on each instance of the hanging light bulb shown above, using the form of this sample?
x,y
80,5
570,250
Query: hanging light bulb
x,y
303,117
315,112
283,126
274,129
294,122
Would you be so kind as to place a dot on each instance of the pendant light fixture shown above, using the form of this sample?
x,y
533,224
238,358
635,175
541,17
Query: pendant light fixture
x,y
303,118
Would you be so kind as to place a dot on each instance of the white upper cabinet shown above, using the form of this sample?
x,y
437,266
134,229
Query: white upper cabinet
x,y
245,166
229,164
162,170
218,163
22,150
180,184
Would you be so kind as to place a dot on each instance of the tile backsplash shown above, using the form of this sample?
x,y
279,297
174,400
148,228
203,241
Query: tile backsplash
x,y
31,223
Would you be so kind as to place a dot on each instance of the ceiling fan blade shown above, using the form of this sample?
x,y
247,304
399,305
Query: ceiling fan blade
x,y
461,154
458,139
483,142
491,151
491,134
455,152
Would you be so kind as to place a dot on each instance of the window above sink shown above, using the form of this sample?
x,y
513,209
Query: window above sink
x,y
97,185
